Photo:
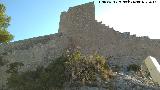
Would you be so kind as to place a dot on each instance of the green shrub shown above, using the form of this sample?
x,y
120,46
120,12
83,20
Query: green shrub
x,y
86,69
13,67
134,67
2,61
40,79
73,68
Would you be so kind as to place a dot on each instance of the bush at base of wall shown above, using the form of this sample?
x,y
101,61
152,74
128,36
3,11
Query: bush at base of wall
x,y
74,68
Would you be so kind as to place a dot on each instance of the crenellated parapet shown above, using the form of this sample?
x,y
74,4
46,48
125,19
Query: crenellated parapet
x,y
77,17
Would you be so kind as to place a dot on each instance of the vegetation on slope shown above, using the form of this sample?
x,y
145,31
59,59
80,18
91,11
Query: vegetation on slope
x,y
73,69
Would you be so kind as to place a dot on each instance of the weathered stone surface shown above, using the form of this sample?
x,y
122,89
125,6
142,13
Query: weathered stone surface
x,y
154,68
78,28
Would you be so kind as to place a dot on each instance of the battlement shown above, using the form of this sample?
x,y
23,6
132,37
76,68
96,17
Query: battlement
x,y
77,17
82,17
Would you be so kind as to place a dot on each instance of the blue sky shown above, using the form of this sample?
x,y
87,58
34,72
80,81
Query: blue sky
x,y
33,18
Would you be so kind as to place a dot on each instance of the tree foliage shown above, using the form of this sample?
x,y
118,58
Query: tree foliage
x,y
5,36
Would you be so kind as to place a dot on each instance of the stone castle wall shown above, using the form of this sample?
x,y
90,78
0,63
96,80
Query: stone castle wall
x,y
76,17
32,53
79,28
91,36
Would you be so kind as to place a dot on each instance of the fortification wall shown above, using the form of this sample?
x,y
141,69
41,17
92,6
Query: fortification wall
x,y
32,53
76,17
108,42
92,36
78,28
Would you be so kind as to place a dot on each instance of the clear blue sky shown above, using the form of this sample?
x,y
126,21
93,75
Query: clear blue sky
x,y
33,18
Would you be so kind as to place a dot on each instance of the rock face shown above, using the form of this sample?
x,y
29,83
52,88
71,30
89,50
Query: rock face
x,y
78,28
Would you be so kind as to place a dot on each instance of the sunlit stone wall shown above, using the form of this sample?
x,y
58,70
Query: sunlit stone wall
x,y
154,68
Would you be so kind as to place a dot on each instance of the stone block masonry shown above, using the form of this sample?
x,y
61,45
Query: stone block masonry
x,y
32,53
154,68
77,17
78,28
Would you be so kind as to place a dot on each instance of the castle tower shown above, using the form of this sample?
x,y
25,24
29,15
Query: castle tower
x,y
76,18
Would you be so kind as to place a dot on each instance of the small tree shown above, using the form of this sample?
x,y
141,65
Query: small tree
x,y
5,36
